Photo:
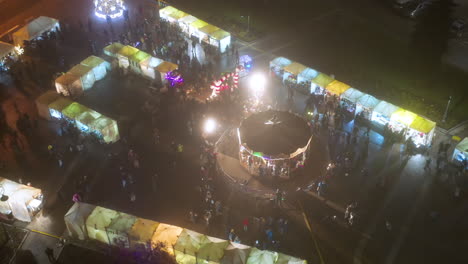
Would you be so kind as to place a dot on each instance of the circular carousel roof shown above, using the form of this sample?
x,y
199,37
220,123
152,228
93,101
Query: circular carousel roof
x,y
274,132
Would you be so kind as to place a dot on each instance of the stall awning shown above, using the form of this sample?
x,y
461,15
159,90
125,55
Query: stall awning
x,y
337,87
127,51
352,95
368,101
403,116
74,110
188,19
295,68
280,62
220,34
198,24
113,49
34,29
308,74
92,61
209,29
322,80
422,125
6,49
385,109
142,231
166,66
60,104
139,56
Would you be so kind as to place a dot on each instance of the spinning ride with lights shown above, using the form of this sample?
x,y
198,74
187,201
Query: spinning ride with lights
x,y
273,143
109,8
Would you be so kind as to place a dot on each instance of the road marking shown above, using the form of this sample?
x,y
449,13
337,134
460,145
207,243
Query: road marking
x,y
44,233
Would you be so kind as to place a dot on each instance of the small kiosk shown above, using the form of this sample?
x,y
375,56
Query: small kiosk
x,y
349,100
460,153
365,106
19,201
35,29
421,131
112,49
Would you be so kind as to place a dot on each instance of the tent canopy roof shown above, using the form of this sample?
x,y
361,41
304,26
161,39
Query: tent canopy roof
x,y
262,256
123,223
368,101
286,259
172,12
188,19
212,248
140,56
209,29
403,116
88,117
152,62
127,51
189,242
114,48
168,10
60,103
337,87
463,145
295,68
80,70
198,24
422,125
103,122
280,62
143,230
101,217
385,108
10,187
167,234
220,34
48,97
5,49
67,78
36,27
322,80
308,74
166,66
352,95
92,61
74,110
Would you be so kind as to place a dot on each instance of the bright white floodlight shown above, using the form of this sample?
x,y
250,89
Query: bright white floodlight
x,y
210,126
257,84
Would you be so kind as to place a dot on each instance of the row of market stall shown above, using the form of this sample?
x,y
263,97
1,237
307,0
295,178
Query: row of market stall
x,y
198,28
140,62
357,103
82,76
51,105
85,221
19,201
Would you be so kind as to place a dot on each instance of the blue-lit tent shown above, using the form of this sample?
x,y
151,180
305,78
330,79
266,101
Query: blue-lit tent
x,y
307,75
277,65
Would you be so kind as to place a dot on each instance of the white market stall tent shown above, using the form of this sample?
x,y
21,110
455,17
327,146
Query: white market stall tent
x,y
136,59
99,66
382,113
124,54
349,99
35,29
171,14
277,66
56,107
112,49
106,128
85,120
185,22
460,153
365,105
307,75
421,131
257,256
86,75
19,200
236,254
164,68
43,102
148,67
75,219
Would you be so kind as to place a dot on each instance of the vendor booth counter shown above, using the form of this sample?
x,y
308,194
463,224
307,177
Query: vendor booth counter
x,y
190,25
20,201
84,221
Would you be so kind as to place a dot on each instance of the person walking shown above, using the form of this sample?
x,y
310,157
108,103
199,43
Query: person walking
x,y
245,224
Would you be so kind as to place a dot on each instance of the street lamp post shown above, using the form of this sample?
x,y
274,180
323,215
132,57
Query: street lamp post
x,y
446,109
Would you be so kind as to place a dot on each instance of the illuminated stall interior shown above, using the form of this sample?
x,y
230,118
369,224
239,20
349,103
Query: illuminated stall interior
x,y
20,201
56,107
86,221
421,131
277,66
383,112
401,119
365,105
349,100
460,153
273,143
319,83
306,76
291,72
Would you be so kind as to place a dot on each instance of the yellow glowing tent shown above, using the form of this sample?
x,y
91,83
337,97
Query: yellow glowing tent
x,y
337,87
262,257
189,242
56,107
212,249
198,24
167,235
294,68
142,232
403,117
74,110
113,49
322,80
107,128
422,125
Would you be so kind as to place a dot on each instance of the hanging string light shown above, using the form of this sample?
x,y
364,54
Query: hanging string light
x,y
111,8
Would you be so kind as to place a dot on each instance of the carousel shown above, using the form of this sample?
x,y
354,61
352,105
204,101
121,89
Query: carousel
x,y
273,144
